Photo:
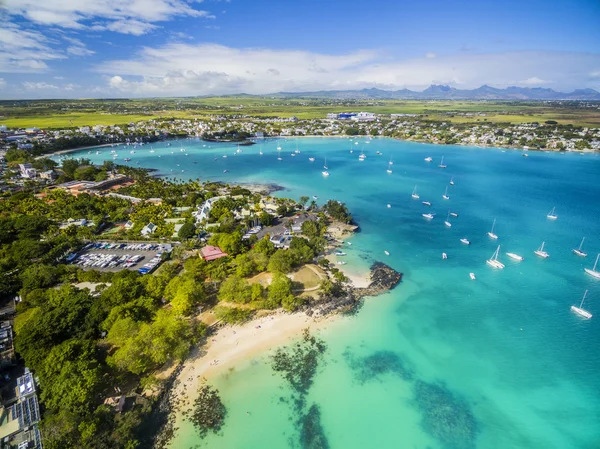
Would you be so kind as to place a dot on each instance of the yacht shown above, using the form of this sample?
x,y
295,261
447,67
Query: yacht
x,y
415,195
444,256
389,169
580,310
472,276
278,148
315,197
312,159
442,165
391,162
127,159
465,241
340,253
593,271
261,151
428,216
386,253
426,203
552,214
293,154
325,173
452,180
445,195
515,256
151,150
428,159
224,171
225,156
362,156
493,261
389,205
447,222
325,165
377,152
540,252
453,214
579,251
279,159
491,233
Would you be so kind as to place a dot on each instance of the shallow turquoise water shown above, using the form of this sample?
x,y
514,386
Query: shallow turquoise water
x,y
503,351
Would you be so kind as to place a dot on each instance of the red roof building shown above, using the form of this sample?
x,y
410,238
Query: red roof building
x,y
212,253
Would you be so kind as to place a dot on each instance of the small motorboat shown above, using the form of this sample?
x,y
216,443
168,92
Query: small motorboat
x,y
386,253
465,241
472,276
444,256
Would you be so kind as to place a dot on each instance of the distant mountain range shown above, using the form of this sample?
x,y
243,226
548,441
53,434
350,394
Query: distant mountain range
x,y
440,92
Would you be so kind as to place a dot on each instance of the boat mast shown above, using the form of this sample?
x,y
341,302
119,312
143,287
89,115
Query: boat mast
x,y
581,244
598,256
493,224
584,295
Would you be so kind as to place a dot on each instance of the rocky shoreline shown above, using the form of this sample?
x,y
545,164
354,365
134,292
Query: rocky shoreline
x,y
383,278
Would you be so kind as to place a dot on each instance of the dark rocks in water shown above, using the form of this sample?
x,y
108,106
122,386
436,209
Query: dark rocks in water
x,y
298,364
312,434
383,278
376,365
208,412
445,416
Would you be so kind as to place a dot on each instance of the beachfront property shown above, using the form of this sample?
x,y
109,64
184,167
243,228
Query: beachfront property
x,y
209,253
203,211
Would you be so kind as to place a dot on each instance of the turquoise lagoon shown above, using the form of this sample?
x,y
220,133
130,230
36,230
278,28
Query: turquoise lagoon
x,y
441,361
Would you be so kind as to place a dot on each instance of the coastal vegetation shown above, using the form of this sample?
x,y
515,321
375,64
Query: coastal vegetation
x,y
91,345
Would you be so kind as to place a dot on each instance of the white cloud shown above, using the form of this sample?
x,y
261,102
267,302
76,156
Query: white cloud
x,y
534,81
23,50
126,16
430,55
29,85
201,69
2,83
77,48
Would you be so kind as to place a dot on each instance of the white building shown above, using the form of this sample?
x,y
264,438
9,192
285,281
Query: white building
x,y
27,171
364,117
148,229
204,209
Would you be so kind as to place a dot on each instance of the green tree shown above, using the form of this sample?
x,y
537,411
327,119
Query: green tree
x,y
235,289
266,218
245,265
279,290
303,201
280,262
187,231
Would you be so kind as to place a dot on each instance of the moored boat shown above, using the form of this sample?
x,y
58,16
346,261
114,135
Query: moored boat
x,y
580,310
515,256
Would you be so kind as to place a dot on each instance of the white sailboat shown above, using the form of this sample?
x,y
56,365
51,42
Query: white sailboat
x,y
453,214
426,203
493,261
261,151
389,169
593,271
391,162
452,180
428,159
552,214
472,276
580,310
362,156
447,222
442,165
312,159
540,252
465,241
445,195
515,256
491,233
325,173
579,251
325,164
428,216
414,194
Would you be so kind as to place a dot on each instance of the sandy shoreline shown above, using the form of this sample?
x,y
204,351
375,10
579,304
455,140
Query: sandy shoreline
x,y
232,345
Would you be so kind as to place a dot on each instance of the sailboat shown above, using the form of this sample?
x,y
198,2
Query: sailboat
x,y
312,159
515,256
452,180
493,261
325,165
580,310
325,173
579,251
278,153
442,163
426,203
362,156
552,214
540,252
465,241
491,233
260,152
447,222
593,271
414,194
445,195
428,216
389,169
391,162
428,159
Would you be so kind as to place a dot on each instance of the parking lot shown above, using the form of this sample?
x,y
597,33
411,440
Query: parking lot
x,y
143,257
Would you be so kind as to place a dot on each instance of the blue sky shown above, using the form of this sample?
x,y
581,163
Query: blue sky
x,y
91,48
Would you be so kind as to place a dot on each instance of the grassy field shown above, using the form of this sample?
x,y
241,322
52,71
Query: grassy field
x,y
65,113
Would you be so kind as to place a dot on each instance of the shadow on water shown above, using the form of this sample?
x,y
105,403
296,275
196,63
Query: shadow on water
x,y
376,365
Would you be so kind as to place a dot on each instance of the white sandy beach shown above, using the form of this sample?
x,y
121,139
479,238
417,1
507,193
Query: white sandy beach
x,y
232,345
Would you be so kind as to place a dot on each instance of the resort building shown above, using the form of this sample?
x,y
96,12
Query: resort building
x,y
149,229
212,252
